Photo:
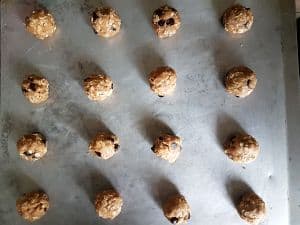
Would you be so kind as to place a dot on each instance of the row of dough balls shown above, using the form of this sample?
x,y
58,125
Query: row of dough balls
x,y
240,81
108,205
106,22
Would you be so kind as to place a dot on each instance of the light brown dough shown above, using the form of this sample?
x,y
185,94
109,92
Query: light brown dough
x,y
35,89
240,81
108,204
104,145
166,21
106,22
41,24
177,210
252,208
237,19
98,87
163,81
32,206
32,147
242,149
167,147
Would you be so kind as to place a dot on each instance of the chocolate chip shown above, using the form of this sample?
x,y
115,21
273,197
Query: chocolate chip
x,y
161,138
189,216
32,86
95,31
153,148
247,8
161,96
24,90
237,96
112,86
116,146
98,154
27,154
170,22
113,29
248,83
161,23
158,12
95,16
174,220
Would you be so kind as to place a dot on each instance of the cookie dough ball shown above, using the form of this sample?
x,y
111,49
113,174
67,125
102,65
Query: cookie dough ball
x,y
98,87
240,81
252,208
237,19
35,89
163,81
32,206
41,24
242,148
106,22
108,204
177,210
104,145
166,21
32,147
167,147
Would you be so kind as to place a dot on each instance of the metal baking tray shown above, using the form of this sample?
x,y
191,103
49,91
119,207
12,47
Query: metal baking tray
x,y
199,111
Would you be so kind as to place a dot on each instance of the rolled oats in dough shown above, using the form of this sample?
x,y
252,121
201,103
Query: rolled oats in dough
x,y
166,21
240,81
242,148
32,206
252,208
106,22
163,81
35,89
98,87
167,147
41,24
104,145
108,204
177,210
32,147
237,19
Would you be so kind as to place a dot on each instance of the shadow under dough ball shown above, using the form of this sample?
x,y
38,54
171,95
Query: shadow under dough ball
x,y
237,19
240,81
32,147
41,24
35,88
108,204
106,22
252,208
177,210
104,145
163,81
32,206
166,21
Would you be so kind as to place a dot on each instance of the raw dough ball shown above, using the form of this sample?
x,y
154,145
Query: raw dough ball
x,y
177,210
166,21
240,81
32,147
108,204
242,149
252,208
106,22
163,80
41,24
104,145
98,87
237,19
32,206
35,89
167,147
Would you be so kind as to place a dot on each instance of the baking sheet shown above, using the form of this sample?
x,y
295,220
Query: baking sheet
x,y
199,111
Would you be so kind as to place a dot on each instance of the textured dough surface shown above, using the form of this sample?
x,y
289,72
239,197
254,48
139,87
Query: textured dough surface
x,y
104,145
32,147
163,81
108,204
106,22
167,147
240,81
177,210
32,206
41,24
237,19
252,208
35,89
98,87
242,149
166,21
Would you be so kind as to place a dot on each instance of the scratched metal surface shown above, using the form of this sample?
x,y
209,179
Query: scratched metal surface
x,y
199,111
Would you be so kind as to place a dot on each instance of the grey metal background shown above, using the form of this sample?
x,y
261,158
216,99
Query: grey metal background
x,y
200,111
